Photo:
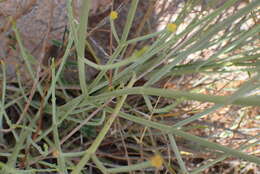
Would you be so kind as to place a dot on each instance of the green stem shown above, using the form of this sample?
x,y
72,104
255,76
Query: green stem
x,y
201,141
61,160
92,149
99,164
130,168
111,66
245,101
2,102
177,154
80,47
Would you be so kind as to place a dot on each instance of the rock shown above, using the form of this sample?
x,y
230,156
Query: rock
x,y
34,19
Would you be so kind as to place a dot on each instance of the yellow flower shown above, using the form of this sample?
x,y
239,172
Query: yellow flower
x,y
56,153
171,27
113,15
156,161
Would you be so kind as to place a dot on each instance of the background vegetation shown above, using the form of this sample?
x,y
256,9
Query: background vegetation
x,y
146,109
